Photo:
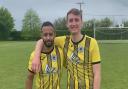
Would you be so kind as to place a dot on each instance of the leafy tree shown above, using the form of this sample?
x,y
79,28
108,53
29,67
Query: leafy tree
x,y
6,23
60,26
31,25
15,35
89,24
105,22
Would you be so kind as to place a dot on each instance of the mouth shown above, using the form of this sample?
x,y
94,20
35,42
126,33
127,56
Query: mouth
x,y
49,42
74,27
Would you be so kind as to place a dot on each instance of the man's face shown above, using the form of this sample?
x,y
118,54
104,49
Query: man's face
x,y
74,23
48,35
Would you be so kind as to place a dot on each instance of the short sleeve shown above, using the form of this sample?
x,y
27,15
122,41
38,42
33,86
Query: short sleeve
x,y
95,54
30,61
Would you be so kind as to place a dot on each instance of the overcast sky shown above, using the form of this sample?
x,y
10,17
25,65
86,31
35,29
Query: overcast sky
x,y
53,9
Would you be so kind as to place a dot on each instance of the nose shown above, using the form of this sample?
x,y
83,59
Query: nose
x,y
48,37
73,22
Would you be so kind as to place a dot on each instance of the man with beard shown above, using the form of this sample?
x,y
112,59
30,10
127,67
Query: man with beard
x,y
51,62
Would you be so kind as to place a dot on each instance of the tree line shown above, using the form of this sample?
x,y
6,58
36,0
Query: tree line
x,y
31,25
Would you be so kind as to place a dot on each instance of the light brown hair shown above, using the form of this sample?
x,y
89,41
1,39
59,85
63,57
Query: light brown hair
x,y
74,11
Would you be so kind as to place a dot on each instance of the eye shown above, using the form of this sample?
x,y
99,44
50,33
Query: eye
x,y
70,20
50,34
45,34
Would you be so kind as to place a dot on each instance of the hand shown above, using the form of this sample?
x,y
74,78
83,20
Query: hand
x,y
36,65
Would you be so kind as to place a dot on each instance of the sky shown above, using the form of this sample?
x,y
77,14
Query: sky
x,y
49,10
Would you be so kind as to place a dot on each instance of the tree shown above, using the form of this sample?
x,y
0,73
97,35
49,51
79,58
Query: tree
x,y
31,25
89,25
60,26
105,22
15,35
6,23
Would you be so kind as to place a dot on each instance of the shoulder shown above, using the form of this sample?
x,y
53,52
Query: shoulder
x,y
60,37
92,40
39,41
60,40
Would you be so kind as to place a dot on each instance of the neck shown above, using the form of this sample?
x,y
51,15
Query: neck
x,y
47,49
76,37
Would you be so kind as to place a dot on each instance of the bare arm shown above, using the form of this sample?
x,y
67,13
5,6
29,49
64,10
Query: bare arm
x,y
36,61
97,76
29,81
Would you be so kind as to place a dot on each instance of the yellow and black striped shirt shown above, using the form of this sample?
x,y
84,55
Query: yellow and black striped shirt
x,y
79,59
50,74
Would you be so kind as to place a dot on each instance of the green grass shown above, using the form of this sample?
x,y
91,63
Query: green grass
x,y
14,58
114,66
13,64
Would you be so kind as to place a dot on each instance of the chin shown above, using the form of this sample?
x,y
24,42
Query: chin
x,y
49,44
74,32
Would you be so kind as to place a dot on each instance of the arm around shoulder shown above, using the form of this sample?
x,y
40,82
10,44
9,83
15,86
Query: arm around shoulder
x,y
36,60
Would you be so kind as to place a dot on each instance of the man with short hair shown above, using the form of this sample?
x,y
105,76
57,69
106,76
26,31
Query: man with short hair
x,y
81,55
51,62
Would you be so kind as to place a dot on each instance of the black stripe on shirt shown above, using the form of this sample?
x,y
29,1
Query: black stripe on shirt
x,y
96,62
31,71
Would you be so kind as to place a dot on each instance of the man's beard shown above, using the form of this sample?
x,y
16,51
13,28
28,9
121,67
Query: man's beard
x,y
48,44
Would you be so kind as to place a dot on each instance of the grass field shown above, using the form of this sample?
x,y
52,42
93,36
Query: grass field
x,y
14,58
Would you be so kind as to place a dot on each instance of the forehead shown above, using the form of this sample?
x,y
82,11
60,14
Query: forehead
x,y
70,16
47,29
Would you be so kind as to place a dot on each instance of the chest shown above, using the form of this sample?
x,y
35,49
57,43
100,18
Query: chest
x,y
76,51
50,63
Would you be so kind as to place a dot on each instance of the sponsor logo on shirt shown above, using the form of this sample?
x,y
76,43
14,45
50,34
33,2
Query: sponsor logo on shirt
x,y
50,70
53,57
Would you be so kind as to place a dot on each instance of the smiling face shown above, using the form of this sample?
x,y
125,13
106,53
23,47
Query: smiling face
x,y
74,23
48,35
